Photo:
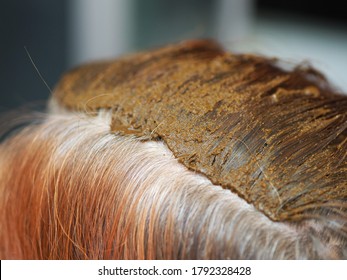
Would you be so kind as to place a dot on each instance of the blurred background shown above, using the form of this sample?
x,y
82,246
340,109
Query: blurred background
x,y
61,34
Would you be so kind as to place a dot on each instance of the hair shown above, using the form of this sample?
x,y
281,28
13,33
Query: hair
x,y
258,173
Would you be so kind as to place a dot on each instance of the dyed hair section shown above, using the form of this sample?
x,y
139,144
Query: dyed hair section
x,y
276,137
72,189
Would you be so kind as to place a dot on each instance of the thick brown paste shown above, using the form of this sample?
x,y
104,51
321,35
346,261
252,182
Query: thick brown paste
x,y
276,138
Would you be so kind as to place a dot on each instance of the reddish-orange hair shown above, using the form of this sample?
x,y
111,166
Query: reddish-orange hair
x,y
186,152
